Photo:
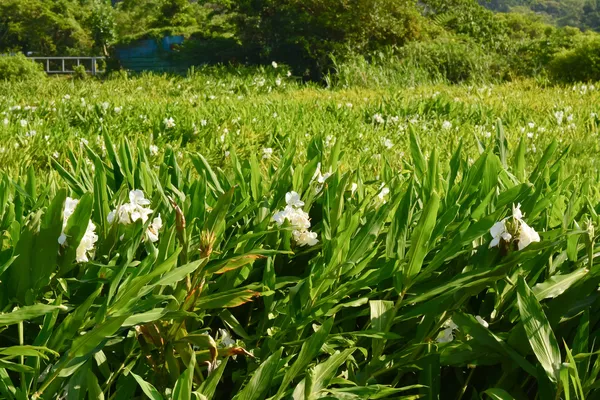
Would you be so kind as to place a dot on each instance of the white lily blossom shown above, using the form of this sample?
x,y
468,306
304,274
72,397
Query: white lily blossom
x,y
293,199
89,239
305,238
447,334
513,227
298,219
135,210
152,231
267,152
169,122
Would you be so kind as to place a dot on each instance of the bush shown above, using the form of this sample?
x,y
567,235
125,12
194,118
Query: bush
x,y
80,73
454,61
20,67
580,64
305,33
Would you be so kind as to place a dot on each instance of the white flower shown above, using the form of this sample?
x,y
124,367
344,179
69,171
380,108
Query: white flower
x,y
293,199
153,150
55,154
132,211
67,97
382,194
278,81
296,217
516,228
169,122
387,143
86,245
531,125
353,188
226,339
446,125
274,64
137,197
527,235
447,334
289,73
378,118
203,122
105,105
227,153
118,110
23,123
329,141
482,321
305,238
152,231
267,153
6,122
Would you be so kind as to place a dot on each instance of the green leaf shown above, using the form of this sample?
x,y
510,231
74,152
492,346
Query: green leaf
x,y
420,238
85,344
27,313
209,386
260,382
310,349
539,333
183,386
557,284
382,314
323,373
148,389
498,394
232,298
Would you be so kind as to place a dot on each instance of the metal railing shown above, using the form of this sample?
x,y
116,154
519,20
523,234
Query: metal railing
x,y
93,64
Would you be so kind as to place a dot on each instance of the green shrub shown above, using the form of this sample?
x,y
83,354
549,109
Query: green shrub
x,y
20,67
80,73
305,33
580,64
453,61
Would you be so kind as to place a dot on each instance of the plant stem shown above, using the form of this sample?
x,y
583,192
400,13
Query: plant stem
x,y
466,385
22,358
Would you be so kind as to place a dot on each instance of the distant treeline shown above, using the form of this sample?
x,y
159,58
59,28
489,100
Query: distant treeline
x,y
457,40
584,14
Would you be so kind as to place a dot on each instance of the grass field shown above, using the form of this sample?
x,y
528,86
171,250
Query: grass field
x,y
244,235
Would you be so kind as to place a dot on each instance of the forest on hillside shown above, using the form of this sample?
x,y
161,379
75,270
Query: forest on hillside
x,y
584,14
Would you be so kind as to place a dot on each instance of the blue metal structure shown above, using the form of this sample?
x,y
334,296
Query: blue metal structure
x,y
150,54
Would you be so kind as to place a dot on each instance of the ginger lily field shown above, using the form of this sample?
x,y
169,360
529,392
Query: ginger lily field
x,y
249,237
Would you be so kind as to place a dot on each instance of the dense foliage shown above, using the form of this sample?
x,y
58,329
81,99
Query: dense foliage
x,y
19,68
584,14
151,244
311,36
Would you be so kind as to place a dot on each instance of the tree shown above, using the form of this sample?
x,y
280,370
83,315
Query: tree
x,y
305,33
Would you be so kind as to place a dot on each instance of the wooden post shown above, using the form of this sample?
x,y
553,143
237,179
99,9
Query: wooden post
x,y
93,65
63,65
48,66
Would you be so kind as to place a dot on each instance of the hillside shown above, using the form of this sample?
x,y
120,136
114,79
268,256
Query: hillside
x,y
584,14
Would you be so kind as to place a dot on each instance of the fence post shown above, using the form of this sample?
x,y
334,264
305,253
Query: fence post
x,y
63,65
93,65
47,65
